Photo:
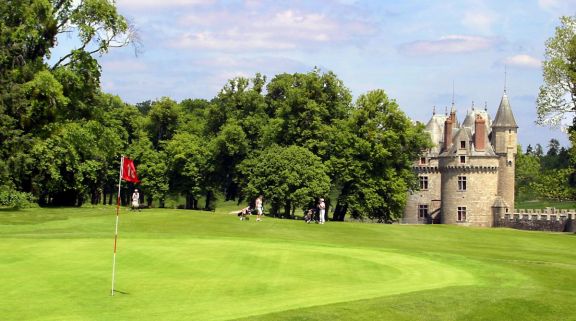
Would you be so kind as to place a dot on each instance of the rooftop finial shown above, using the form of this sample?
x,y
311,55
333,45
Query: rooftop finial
x,y
485,105
446,110
452,92
434,110
505,76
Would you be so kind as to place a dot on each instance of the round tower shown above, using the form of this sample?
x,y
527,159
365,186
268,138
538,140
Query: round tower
x,y
504,140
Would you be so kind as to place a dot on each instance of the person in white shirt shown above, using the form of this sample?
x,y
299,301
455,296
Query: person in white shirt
x,y
136,200
322,211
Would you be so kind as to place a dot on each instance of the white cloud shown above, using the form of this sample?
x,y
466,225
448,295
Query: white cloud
x,y
144,4
287,29
449,45
558,7
124,65
479,21
523,61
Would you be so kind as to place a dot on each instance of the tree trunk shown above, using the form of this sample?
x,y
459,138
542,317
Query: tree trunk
x,y
340,211
209,206
189,201
287,208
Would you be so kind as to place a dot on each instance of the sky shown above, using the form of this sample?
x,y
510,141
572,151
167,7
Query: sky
x,y
422,53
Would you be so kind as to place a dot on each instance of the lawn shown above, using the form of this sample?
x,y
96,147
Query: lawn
x,y
535,204
56,264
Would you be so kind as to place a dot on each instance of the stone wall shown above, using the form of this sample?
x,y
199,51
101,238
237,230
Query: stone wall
x,y
548,219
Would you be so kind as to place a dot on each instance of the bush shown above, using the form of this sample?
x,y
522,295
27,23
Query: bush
x,y
15,199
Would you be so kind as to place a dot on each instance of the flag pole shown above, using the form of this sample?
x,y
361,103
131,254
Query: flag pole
x,y
116,229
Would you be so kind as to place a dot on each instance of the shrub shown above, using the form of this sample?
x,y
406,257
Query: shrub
x,y
15,199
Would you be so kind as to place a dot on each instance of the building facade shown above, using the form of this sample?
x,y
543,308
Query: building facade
x,y
467,177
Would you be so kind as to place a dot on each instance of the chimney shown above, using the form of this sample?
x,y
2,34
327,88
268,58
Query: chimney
x,y
480,133
448,133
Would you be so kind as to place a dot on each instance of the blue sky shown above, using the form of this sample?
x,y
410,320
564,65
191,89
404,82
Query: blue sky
x,y
414,50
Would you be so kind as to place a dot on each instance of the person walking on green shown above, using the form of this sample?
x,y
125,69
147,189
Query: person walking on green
x,y
259,208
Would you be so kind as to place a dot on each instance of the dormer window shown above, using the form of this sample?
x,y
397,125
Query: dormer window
x,y
422,160
462,159
462,144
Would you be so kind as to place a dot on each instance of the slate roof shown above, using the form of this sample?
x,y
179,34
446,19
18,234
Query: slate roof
x,y
504,116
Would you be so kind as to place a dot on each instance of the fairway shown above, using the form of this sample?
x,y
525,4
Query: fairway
x,y
187,265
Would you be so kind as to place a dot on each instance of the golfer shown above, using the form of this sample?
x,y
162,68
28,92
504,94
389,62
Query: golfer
x,y
259,208
322,210
136,200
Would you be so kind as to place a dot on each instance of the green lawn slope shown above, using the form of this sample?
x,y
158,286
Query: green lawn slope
x,y
56,264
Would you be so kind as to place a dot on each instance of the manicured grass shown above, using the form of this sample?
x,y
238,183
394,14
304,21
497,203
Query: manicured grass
x,y
540,204
55,264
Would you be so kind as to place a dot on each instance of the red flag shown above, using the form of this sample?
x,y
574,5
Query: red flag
x,y
129,171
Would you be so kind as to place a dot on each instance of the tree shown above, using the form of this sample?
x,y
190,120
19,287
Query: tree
x,y
37,100
73,161
527,170
554,185
553,147
538,151
304,106
188,162
378,155
152,169
163,120
529,150
288,177
557,97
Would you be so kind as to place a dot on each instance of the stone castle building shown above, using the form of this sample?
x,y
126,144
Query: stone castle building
x,y
467,177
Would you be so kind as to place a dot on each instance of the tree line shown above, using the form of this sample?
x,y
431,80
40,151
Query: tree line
x,y
293,138
548,175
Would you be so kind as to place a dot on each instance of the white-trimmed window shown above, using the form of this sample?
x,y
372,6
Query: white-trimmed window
x,y
423,183
461,213
461,183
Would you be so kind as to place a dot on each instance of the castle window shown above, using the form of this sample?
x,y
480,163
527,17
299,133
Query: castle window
x,y
462,144
423,210
544,217
422,160
534,217
461,213
462,159
461,183
552,217
423,183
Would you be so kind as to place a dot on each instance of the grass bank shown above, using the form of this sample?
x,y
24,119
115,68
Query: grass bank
x,y
186,265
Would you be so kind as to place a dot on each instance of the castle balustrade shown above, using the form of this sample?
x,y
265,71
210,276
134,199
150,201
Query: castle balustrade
x,y
547,219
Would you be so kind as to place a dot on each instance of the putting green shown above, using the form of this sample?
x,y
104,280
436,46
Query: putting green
x,y
206,279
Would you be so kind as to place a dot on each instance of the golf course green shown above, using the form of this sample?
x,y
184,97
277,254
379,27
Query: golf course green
x,y
56,264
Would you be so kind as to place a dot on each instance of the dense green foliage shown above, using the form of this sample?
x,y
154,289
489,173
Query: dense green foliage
x,y
556,102
557,98
181,265
547,176
293,139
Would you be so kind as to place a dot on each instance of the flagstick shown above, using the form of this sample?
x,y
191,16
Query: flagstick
x,y
116,229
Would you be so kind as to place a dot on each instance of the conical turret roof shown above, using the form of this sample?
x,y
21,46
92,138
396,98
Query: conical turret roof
x,y
504,116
